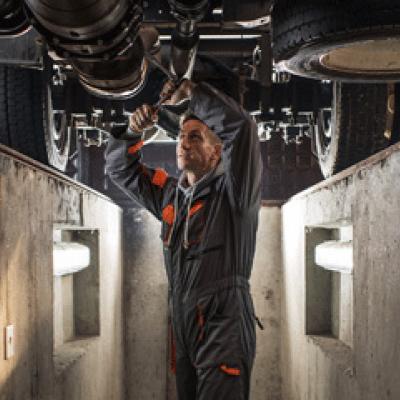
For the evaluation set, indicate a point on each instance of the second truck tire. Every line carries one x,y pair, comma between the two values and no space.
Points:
358,125
28,122
331,39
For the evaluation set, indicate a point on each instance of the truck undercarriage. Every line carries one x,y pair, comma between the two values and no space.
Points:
325,70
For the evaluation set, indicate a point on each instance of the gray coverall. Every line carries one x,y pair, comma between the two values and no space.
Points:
209,235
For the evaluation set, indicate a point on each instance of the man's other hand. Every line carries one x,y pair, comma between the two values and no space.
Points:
142,118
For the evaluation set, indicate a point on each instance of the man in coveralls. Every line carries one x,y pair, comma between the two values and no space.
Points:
209,222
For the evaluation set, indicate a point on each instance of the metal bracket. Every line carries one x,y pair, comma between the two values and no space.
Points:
23,51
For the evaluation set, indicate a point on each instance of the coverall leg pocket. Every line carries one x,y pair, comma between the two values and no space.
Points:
223,382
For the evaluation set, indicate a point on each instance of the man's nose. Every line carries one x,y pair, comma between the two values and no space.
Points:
184,143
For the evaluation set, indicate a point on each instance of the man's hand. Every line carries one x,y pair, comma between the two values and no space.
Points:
143,118
176,95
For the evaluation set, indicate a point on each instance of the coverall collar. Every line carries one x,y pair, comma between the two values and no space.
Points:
201,184
200,188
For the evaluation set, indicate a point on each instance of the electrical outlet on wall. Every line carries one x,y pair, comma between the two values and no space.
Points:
9,342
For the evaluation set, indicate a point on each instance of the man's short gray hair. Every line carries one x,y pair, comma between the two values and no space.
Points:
187,116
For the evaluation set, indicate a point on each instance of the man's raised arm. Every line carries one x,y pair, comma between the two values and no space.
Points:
123,164
241,152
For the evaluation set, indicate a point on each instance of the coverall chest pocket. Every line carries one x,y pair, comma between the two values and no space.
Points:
191,228
196,222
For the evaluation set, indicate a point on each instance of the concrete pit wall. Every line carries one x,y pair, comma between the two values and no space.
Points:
317,366
32,202
266,290
145,308
146,327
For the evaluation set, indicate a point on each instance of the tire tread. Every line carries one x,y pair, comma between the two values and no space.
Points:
360,120
21,112
303,22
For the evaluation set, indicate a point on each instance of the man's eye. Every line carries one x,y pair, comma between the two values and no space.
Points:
195,135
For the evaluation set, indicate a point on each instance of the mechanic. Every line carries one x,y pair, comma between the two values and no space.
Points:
209,222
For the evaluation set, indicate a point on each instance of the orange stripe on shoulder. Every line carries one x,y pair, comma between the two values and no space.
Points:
160,178
136,147
197,206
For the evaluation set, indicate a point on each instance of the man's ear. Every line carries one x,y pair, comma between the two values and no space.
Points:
217,151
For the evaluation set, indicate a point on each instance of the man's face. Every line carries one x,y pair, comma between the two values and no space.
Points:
196,151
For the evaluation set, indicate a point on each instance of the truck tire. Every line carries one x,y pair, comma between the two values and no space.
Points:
356,128
330,39
28,122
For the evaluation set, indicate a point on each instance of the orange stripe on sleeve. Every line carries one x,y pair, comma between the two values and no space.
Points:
160,178
136,147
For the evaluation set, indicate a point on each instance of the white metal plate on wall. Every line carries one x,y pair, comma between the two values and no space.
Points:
335,255
69,257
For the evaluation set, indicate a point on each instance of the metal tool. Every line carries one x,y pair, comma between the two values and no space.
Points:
172,77
167,121
153,60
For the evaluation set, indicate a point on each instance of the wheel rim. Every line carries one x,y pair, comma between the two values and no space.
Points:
325,133
325,121
324,130
370,57
324,140
57,123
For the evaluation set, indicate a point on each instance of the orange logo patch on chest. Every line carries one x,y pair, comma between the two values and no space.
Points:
168,214
160,178
197,207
